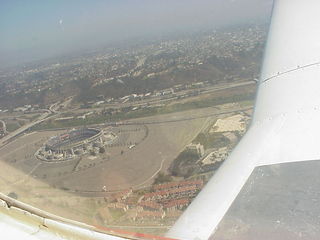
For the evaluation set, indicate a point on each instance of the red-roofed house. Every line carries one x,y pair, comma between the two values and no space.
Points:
166,186
177,204
151,206
175,193
118,205
121,196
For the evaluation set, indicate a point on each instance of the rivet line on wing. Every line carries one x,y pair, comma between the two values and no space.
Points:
289,71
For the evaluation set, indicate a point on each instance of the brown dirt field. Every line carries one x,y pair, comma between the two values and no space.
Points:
158,141
137,166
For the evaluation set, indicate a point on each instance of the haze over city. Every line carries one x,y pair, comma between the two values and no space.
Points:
33,30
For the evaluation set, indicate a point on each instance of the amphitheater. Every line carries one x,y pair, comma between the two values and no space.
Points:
72,144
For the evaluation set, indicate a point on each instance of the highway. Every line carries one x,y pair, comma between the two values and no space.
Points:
157,100
53,112
22,129
139,122
4,126
160,100
43,117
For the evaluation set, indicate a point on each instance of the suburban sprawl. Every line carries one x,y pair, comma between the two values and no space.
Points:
125,137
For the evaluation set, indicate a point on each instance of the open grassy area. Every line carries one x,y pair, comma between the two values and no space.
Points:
246,98
12,126
116,213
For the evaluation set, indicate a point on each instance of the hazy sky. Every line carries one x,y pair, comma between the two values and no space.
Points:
43,28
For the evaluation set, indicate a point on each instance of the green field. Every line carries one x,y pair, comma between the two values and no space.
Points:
12,126
246,99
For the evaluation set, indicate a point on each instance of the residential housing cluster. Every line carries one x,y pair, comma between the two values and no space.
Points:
162,201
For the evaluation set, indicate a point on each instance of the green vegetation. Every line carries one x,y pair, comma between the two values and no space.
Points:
247,103
116,213
210,102
184,165
13,195
98,118
203,103
31,117
141,192
102,150
162,178
12,126
216,140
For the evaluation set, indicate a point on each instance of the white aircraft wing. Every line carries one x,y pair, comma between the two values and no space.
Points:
269,187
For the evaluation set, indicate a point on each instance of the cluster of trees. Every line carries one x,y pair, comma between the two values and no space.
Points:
185,164
101,151
216,140
162,178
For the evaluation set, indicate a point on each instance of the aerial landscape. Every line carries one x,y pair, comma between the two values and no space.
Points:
119,129
128,136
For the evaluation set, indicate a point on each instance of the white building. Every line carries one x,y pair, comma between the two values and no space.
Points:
196,148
